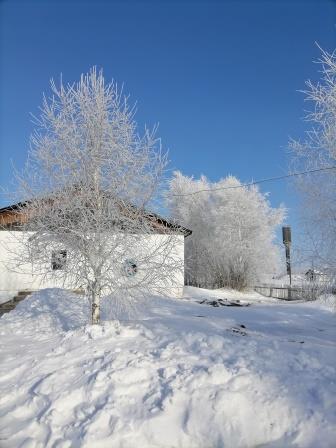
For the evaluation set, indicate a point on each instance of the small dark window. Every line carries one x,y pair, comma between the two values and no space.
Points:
130,268
58,259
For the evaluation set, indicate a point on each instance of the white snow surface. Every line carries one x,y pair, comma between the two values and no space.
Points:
175,373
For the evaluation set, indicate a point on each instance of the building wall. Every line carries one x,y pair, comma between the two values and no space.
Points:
15,278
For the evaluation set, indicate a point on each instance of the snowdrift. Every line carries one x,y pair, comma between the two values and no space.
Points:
172,373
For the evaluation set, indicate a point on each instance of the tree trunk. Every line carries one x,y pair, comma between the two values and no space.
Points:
95,309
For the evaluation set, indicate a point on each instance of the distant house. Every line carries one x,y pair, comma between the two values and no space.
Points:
314,275
11,220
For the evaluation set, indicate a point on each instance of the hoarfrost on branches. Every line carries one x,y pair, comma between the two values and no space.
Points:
318,150
233,231
89,180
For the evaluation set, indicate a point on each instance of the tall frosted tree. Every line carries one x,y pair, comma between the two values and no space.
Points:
232,243
88,183
318,150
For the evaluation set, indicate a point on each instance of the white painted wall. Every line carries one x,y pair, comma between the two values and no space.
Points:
13,279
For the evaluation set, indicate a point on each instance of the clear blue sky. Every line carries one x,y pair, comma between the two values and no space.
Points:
221,77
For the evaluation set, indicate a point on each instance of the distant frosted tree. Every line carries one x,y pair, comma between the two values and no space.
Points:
89,180
233,230
318,150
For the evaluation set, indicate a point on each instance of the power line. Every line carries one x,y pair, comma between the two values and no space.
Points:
250,184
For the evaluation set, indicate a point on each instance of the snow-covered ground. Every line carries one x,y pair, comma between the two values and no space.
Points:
173,373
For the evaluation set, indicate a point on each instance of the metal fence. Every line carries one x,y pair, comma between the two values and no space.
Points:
282,292
289,292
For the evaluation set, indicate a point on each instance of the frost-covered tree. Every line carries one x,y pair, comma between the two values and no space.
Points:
89,180
318,150
233,230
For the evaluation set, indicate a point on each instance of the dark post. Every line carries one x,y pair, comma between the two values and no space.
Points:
287,239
